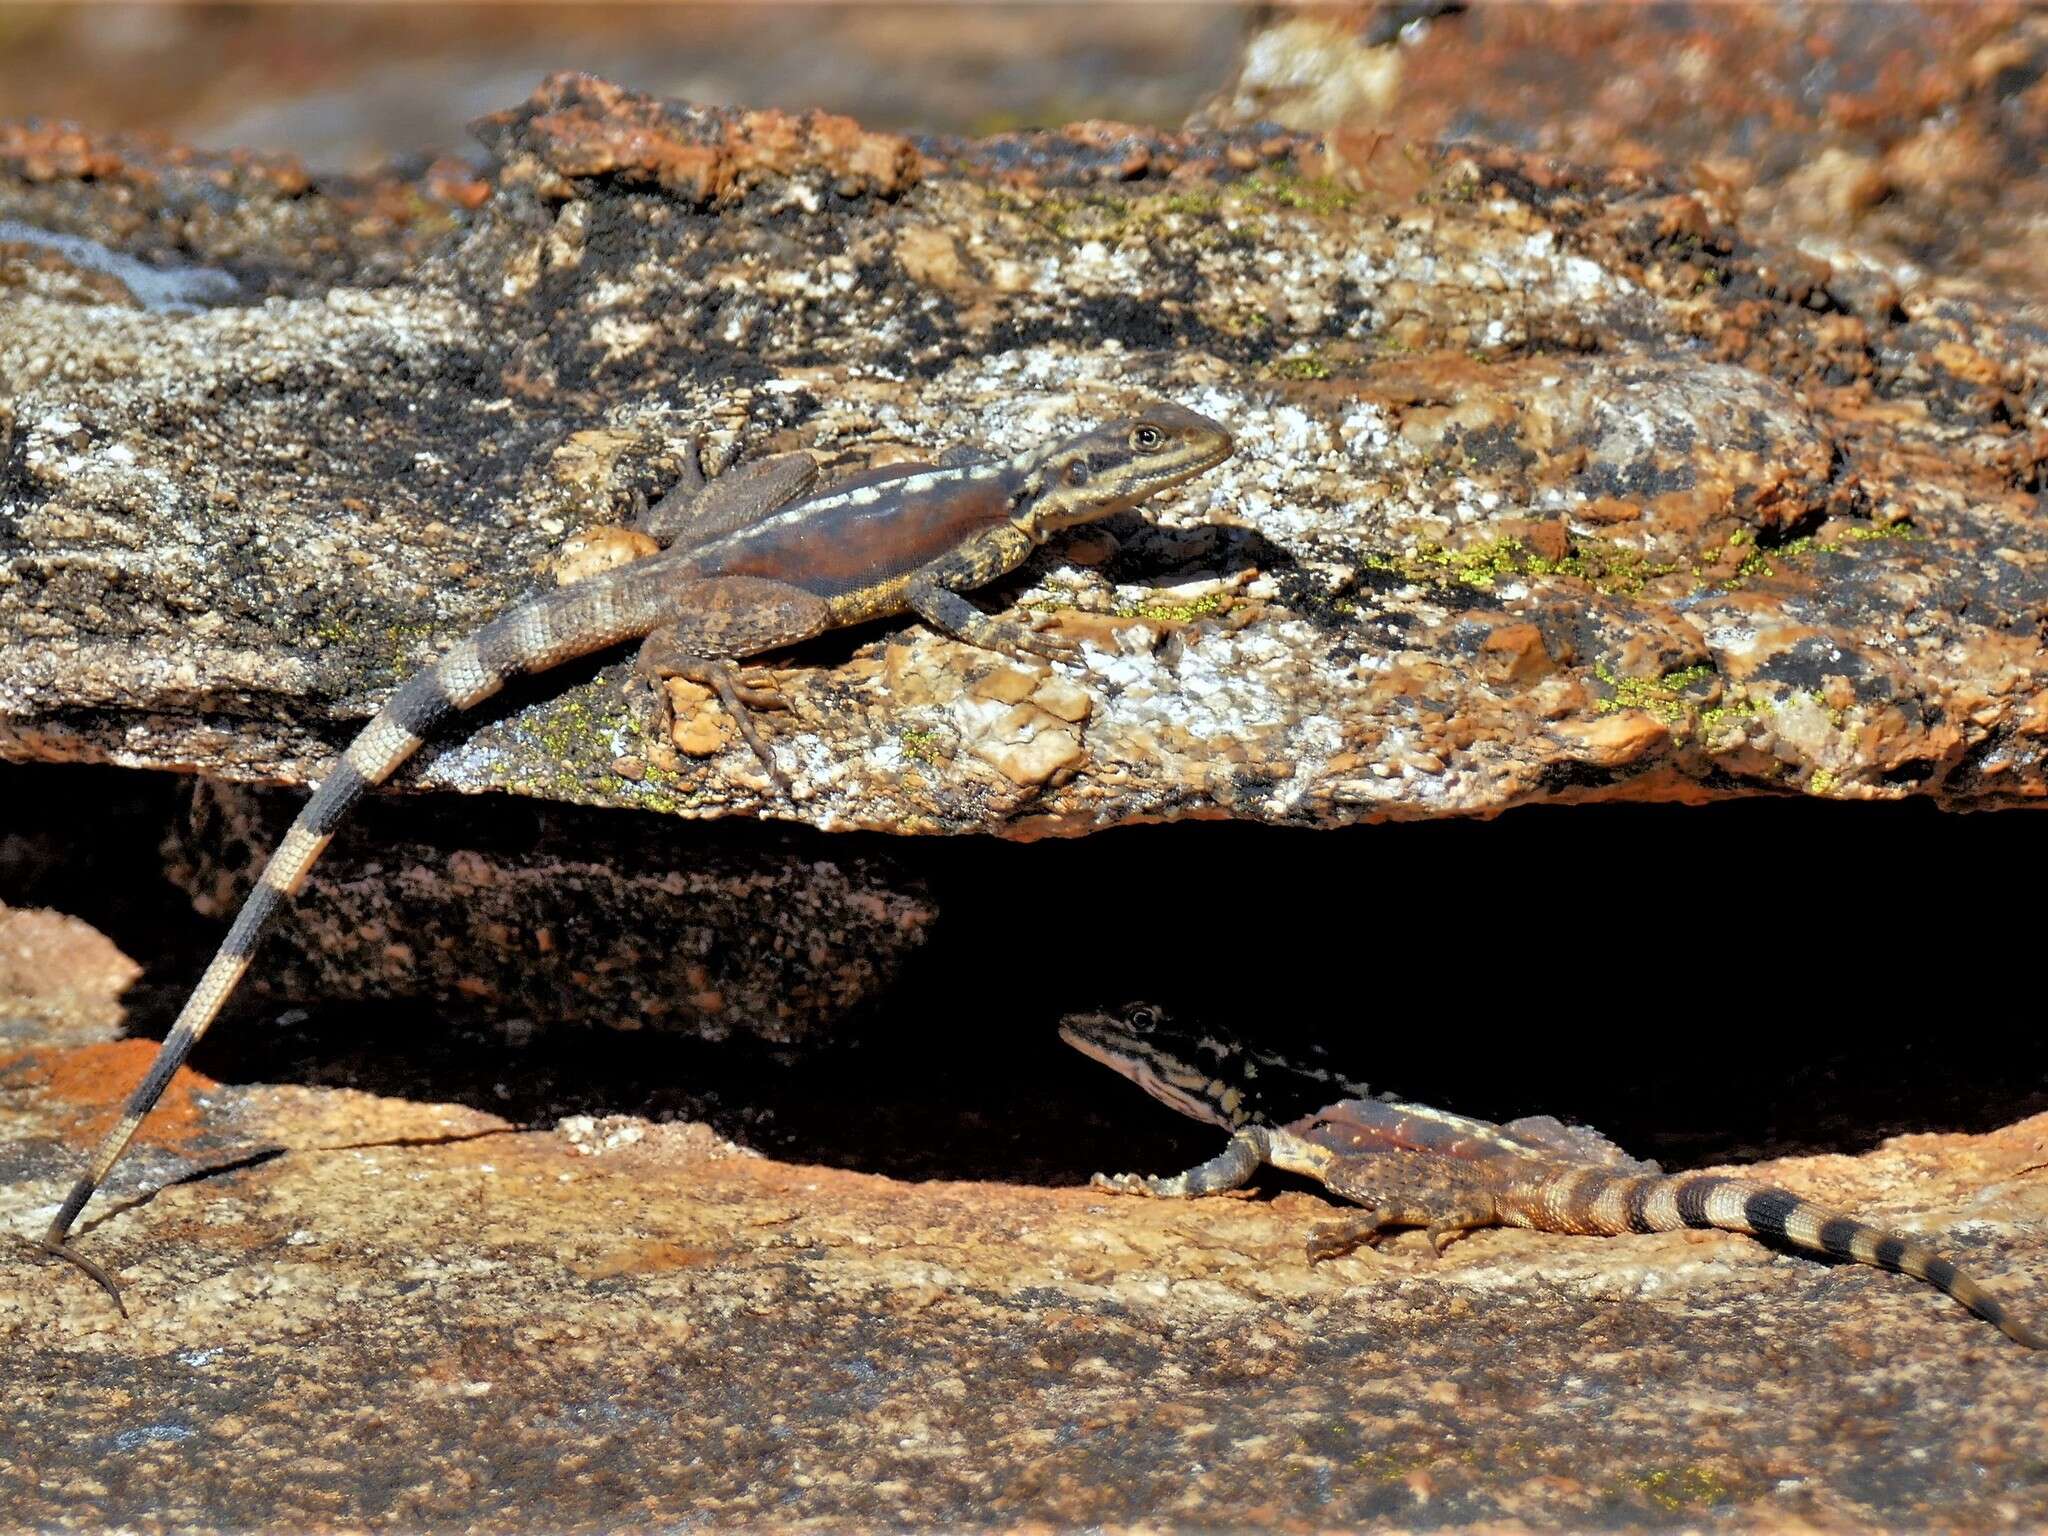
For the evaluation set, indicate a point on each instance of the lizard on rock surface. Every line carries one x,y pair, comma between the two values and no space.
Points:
747,563
1413,1166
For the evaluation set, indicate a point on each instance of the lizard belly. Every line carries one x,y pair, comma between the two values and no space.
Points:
878,600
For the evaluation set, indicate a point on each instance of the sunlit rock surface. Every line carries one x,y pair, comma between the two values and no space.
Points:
1550,484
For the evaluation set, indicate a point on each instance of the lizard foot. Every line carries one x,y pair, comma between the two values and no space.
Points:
660,659
1124,1183
740,701
1445,1232
1040,640
1334,1239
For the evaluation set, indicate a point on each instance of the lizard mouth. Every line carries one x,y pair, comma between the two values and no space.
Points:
1170,475
1143,1072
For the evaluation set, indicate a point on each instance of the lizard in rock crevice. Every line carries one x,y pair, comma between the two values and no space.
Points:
1413,1166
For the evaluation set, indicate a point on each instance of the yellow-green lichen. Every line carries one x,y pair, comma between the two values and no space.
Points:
1171,611
1398,1465
1609,568
1758,564
1662,696
1676,1488
1309,367
1902,531
1203,215
1822,783
1741,707
926,746
1283,189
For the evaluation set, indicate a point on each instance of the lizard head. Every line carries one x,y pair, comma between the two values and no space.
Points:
1222,1081
1117,465
1179,1067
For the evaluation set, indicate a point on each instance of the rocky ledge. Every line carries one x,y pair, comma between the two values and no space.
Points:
423,1314
1552,484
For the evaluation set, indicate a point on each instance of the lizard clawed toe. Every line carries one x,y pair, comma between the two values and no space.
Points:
653,711
1334,1239
1121,1183
756,694
1442,1235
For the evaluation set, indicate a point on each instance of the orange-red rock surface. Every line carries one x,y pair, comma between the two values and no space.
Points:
421,1314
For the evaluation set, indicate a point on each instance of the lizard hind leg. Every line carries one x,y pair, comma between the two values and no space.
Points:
697,510
1370,1228
1447,1196
718,619
1360,1229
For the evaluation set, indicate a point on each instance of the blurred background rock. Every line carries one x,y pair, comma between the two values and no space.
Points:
346,87
1912,133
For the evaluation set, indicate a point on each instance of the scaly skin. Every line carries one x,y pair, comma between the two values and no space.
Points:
750,565
1412,1166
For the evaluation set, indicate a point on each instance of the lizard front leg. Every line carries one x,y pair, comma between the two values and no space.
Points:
1231,1168
934,595
722,618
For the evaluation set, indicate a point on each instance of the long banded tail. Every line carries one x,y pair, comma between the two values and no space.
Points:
1597,1201
386,742
532,636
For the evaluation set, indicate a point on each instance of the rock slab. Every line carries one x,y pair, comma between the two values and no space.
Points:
419,1315
1553,484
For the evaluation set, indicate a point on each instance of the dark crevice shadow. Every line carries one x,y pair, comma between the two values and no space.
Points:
1703,984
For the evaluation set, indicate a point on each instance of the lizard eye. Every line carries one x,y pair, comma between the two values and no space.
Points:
1146,439
1143,1016
1075,473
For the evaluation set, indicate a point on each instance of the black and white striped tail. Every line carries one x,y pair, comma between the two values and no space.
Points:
388,740
1591,1200
457,681
532,636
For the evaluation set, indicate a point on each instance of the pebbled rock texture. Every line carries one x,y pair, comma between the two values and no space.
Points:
422,1315
1553,484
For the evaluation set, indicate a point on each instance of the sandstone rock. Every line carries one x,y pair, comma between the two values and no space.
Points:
1555,484
59,978
576,922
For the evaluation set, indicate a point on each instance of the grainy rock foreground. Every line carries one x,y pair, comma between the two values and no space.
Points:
421,1316
1552,484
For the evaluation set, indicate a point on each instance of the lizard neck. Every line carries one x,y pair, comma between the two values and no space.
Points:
1024,477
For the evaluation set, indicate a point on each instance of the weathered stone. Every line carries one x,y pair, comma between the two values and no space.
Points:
579,922
59,978
422,1315
226,534
1902,150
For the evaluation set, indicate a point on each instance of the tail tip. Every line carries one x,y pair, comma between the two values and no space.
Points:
59,1249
